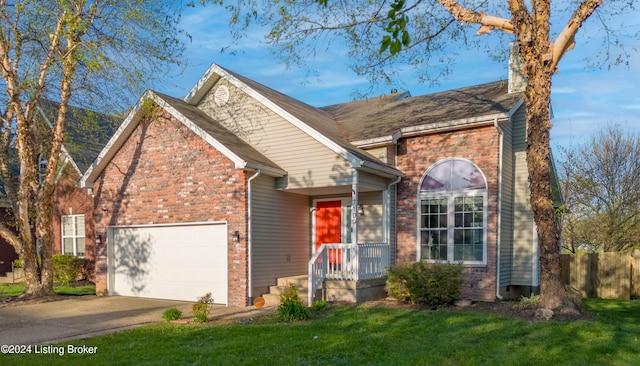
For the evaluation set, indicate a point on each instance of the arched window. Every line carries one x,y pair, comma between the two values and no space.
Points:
452,207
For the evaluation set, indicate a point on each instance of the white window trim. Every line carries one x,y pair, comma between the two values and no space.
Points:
451,216
74,236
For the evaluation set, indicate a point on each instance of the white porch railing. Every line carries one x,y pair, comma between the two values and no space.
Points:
347,262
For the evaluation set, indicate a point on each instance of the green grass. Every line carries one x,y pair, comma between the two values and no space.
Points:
16,289
373,336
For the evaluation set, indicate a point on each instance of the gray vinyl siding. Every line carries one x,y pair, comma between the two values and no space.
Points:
281,238
308,163
371,181
381,153
506,206
370,223
522,256
386,154
393,203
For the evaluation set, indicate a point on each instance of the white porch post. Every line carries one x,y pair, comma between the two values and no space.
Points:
354,223
354,208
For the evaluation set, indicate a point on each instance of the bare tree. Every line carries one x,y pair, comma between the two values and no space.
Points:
602,178
91,52
381,35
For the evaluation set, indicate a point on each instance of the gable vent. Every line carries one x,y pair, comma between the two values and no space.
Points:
221,95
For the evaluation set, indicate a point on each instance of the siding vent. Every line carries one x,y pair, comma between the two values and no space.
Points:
221,95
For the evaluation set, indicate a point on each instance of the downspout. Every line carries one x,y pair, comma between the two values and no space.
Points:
395,200
249,238
499,234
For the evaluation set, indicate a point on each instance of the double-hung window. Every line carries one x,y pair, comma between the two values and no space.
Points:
453,213
73,235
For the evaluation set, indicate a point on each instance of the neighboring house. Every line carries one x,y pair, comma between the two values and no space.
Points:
73,230
7,252
237,185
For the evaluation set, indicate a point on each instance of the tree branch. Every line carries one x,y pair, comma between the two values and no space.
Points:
486,22
565,40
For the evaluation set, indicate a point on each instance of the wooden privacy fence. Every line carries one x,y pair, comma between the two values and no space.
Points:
603,275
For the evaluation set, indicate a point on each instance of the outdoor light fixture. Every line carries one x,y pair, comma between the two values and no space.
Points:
98,239
360,210
235,236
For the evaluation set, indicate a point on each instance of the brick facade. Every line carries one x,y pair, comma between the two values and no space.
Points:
72,200
415,156
165,174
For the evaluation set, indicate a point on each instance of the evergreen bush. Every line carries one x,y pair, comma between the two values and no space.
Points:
425,283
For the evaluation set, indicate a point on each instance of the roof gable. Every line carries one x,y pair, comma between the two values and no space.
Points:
316,123
240,153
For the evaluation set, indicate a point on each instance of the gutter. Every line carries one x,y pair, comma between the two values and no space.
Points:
249,238
498,235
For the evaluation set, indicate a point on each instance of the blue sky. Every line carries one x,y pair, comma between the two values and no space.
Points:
583,100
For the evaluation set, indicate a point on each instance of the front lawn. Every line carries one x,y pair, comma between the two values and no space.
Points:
16,289
373,336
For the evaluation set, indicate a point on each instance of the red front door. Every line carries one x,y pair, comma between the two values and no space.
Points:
329,226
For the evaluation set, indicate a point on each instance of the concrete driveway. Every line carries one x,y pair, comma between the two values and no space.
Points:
88,316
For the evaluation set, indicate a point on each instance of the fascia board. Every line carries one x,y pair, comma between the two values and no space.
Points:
267,170
374,142
515,107
208,78
380,170
452,125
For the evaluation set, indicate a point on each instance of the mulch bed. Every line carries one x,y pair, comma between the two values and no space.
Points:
509,309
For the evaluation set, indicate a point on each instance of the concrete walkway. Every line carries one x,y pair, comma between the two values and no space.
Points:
89,316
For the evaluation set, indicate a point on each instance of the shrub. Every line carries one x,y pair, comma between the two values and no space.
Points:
529,302
201,308
67,268
320,305
425,283
172,314
291,307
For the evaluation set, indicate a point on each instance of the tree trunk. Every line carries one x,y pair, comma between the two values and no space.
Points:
537,98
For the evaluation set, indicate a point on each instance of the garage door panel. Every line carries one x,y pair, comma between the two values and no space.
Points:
169,262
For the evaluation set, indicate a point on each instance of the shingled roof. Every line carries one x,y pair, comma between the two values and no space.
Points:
218,132
86,132
383,116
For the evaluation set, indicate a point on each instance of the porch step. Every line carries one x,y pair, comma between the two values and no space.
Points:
13,277
300,282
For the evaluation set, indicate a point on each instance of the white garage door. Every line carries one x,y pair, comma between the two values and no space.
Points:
181,262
